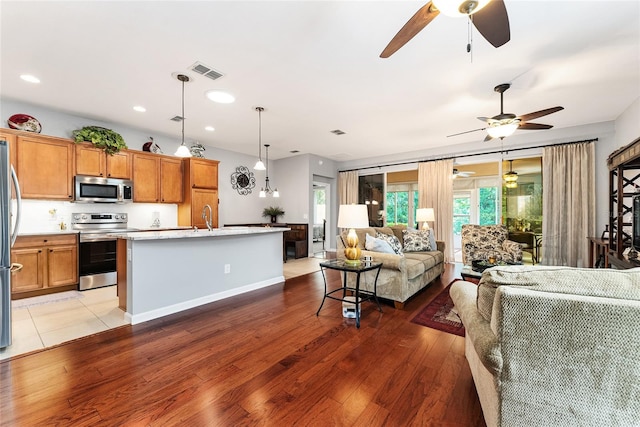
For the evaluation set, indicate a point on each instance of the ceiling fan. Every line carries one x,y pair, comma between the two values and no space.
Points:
488,16
504,124
462,174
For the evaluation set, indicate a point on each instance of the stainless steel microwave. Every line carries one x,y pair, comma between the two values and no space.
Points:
93,189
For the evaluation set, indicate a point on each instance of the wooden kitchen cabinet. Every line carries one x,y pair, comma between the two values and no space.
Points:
49,261
45,167
95,162
200,189
157,178
170,180
146,185
203,173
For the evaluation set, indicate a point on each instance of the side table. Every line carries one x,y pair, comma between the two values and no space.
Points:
470,275
360,295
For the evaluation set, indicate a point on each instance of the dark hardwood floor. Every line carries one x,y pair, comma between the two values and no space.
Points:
261,358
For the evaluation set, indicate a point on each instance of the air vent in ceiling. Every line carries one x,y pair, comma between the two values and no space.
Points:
294,151
177,119
206,71
337,132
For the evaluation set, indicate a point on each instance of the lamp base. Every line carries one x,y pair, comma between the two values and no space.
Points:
353,261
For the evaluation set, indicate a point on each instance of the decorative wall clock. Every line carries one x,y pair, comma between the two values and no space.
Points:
243,180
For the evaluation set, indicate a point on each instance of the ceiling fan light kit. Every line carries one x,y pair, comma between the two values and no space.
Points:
511,177
457,8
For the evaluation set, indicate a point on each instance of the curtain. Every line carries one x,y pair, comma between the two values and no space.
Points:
435,190
568,207
348,187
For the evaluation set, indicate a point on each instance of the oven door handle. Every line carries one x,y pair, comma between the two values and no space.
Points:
88,239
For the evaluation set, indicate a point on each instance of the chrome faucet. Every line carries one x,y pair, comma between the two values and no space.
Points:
209,218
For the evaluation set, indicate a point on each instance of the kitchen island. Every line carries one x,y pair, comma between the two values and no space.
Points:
164,272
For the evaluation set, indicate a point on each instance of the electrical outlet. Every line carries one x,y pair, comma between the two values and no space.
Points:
227,268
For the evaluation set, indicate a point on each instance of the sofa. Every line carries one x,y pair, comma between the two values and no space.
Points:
401,276
553,346
479,242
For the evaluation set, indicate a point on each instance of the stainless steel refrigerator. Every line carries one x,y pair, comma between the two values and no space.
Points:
8,233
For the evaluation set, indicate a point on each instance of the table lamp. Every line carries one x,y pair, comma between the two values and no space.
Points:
424,215
352,217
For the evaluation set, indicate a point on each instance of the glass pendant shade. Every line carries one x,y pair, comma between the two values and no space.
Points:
183,150
511,177
259,165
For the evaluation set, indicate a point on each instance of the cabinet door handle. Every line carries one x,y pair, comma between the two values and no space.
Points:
40,251
45,240
50,250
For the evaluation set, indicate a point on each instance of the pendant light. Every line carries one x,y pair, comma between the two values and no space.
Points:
267,189
511,177
183,150
259,165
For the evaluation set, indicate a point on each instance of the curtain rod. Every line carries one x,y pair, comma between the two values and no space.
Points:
469,155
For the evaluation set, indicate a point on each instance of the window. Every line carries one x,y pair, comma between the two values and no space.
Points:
402,202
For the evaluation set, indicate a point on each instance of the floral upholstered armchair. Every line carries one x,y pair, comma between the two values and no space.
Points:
479,242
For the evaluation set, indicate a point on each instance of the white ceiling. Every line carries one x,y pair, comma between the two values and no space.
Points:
314,66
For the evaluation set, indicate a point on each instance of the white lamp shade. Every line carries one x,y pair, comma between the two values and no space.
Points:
353,216
425,214
183,151
259,166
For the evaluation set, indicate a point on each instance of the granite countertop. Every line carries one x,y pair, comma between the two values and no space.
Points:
192,234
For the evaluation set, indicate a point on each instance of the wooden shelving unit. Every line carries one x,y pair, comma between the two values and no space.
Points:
624,183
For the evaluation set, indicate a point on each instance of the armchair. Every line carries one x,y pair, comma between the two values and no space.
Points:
479,242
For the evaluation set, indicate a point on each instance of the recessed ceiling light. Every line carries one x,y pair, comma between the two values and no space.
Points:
209,128
29,78
139,108
220,96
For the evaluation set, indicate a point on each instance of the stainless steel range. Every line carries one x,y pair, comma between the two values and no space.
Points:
98,250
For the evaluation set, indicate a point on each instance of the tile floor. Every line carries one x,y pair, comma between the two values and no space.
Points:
45,321
41,322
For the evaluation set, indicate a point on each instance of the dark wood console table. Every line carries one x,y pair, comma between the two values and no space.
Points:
297,238
622,262
598,248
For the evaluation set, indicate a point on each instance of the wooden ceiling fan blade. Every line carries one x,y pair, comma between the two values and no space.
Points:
492,22
535,115
418,21
468,131
534,126
484,119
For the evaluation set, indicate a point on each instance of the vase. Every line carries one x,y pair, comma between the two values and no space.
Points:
274,219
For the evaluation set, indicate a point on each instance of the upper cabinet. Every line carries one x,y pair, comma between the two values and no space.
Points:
95,162
203,173
45,167
200,189
156,178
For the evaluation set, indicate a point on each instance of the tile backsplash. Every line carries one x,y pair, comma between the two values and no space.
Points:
47,215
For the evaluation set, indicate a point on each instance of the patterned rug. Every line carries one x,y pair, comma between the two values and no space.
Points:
46,299
440,314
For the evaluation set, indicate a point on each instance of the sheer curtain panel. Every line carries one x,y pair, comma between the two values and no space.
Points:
435,190
568,207
348,187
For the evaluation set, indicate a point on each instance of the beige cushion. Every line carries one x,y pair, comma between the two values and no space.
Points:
606,283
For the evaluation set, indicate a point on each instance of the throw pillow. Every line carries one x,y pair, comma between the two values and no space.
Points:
392,240
378,245
416,240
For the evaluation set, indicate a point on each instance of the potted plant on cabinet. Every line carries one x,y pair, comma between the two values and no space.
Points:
274,212
111,142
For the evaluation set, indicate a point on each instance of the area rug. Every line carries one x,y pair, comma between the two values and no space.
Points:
46,299
440,314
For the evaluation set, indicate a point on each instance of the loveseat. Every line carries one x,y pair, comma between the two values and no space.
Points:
401,276
554,346
479,242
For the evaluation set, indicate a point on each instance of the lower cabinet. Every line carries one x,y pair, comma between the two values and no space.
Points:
49,261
